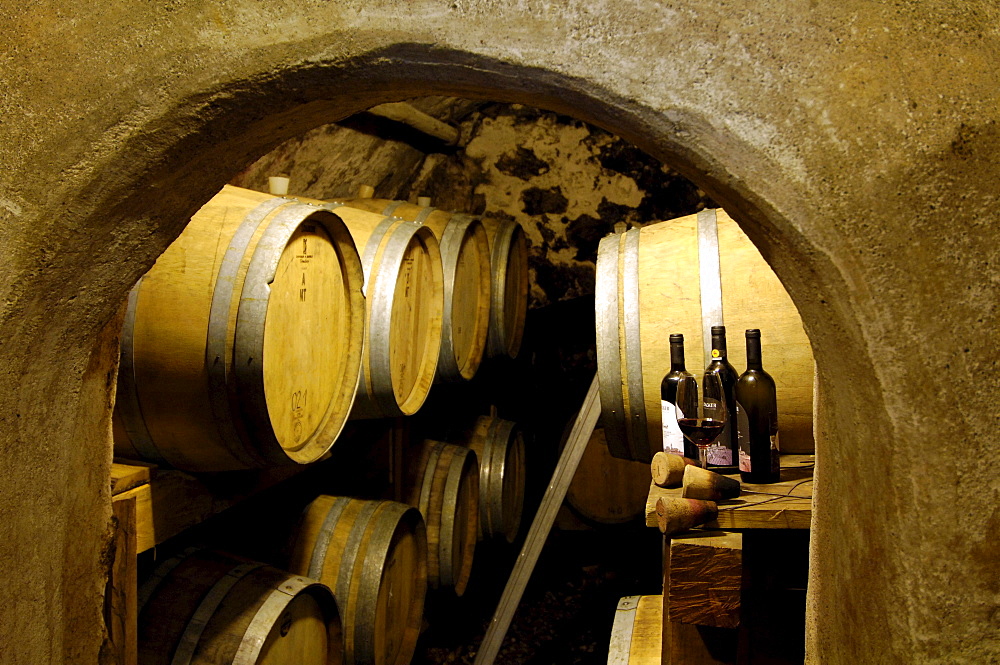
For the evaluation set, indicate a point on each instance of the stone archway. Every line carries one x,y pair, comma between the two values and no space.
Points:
861,166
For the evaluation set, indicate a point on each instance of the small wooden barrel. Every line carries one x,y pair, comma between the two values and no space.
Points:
640,301
405,305
509,265
444,485
373,554
465,259
607,490
499,446
213,608
242,345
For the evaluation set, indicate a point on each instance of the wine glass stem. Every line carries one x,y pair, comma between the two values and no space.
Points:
703,456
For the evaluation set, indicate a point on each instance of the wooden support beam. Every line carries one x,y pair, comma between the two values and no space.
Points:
579,436
172,501
418,120
705,575
690,644
120,609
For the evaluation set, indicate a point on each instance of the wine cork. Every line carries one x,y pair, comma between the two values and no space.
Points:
701,483
366,192
676,515
424,201
668,469
277,185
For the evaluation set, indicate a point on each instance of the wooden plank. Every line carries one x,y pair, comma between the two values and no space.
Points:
120,607
128,474
705,578
759,511
579,436
690,644
173,500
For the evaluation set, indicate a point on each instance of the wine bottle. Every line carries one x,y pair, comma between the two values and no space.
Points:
673,439
757,418
725,451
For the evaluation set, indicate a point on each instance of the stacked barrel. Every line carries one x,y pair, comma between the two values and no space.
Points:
258,334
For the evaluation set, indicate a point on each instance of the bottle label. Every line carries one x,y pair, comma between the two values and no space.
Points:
743,437
744,461
673,438
720,454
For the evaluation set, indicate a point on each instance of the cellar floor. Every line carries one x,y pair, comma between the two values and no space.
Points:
568,607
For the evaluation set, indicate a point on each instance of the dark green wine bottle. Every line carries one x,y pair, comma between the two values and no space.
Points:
674,440
757,418
726,449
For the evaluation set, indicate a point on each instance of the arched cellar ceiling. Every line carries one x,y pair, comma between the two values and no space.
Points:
854,142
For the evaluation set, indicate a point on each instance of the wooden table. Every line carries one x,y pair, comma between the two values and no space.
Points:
720,580
759,511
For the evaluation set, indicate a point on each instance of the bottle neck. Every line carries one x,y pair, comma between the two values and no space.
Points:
677,357
719,344
753,353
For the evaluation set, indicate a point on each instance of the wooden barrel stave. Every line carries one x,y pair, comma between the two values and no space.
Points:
633,349
210,607
208,378
373,554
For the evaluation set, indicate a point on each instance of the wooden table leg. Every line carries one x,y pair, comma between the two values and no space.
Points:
120,608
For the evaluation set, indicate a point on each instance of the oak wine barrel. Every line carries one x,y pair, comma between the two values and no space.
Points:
405,305
444,486
641,299
465,260
373,554
605,489
499,447
509,265
212,608
242,344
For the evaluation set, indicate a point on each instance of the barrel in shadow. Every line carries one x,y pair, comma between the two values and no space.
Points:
607,490
242,345
443,484
499,447
373,554
216,609
509,274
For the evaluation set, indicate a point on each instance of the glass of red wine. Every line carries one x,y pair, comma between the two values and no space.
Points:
703,424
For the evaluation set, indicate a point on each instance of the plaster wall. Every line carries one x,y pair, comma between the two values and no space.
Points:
855,142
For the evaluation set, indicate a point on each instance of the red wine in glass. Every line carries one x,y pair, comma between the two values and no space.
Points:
701,431
706,423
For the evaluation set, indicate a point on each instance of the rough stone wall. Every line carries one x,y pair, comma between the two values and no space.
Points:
566,182
333,160
854,141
